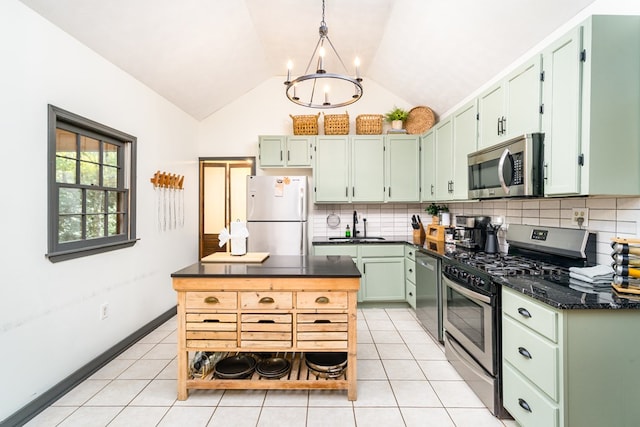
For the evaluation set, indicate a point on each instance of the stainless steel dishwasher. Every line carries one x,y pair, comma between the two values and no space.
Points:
429,294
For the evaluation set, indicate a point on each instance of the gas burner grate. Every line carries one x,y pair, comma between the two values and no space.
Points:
509,265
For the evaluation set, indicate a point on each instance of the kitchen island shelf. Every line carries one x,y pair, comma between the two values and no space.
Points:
287,305
298,377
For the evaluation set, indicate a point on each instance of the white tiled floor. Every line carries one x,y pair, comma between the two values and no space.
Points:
403,380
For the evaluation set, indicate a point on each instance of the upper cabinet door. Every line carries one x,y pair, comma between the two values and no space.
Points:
444,159
367,168
299,149
402,168
271,151
561,118
331,169
465,135
523,97
428,167
492,114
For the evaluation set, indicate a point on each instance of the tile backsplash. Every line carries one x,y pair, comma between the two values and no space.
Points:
608,217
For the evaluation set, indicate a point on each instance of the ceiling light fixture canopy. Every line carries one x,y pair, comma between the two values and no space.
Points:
305,89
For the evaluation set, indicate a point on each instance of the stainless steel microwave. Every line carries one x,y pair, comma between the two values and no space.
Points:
514,168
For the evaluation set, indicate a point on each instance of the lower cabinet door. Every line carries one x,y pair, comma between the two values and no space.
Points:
525,403
383,279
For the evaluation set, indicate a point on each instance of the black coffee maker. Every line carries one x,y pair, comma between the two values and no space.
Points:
472,231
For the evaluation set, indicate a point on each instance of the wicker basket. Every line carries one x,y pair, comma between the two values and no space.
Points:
305,125
369,124
419,120
336,124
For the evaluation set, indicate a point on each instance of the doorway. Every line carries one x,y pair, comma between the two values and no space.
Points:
223,189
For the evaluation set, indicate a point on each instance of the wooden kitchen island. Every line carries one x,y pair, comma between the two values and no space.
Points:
286,305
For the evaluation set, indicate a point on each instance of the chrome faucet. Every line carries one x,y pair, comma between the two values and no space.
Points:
355,221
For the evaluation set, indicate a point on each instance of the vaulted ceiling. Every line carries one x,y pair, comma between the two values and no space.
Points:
203,54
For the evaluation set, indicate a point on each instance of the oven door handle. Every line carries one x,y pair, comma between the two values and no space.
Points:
503,158
466,292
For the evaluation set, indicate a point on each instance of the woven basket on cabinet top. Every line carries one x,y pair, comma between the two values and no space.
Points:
369,124
305,125
336,124
419,120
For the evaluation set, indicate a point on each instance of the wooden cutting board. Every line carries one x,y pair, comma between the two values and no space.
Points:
227,257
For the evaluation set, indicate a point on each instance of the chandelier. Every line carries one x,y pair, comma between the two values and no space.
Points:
306,89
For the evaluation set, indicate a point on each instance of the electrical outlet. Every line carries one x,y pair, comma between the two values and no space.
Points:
580,217
104,311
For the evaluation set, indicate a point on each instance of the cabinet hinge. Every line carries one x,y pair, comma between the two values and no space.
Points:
541,108
583,55
542,76
581,159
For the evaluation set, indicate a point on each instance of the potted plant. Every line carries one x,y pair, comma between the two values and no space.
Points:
396,116
435,211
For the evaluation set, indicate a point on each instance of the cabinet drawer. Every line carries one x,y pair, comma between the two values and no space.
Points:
386,250
212,300
410,252
266,330
410,270
543,320
321,300
348,250
266,300
211,330
532,355
411,294
322,331
519,394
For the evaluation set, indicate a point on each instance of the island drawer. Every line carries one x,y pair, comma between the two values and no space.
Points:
212,300
266,300
211,330
266,330
322,331
321,300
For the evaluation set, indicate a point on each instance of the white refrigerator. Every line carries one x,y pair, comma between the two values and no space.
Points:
277,214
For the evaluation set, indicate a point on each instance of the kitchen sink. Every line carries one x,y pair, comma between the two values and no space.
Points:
356,239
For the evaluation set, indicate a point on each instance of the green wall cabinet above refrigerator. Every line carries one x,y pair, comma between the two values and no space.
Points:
280,151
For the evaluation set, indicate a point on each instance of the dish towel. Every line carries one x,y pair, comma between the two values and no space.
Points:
595,274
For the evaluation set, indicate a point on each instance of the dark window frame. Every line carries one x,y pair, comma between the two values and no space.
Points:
127,145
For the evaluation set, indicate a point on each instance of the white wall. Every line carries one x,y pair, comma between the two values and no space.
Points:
49,323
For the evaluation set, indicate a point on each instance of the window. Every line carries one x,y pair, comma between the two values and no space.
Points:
91,187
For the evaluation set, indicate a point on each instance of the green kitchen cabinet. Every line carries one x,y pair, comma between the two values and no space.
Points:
331,169
591,109
428,167
511,107
382,267
279,151
383,277
455,138
349,169
465,135
410,275
367,171
444,158
573,367
402,168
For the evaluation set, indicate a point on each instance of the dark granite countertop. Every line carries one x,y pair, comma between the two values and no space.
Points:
276,266
361,241
563,296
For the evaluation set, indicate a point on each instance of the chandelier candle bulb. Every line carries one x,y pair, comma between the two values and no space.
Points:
326,95
357,63
289,67
321,60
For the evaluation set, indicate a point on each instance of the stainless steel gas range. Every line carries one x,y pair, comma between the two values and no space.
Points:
471,298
